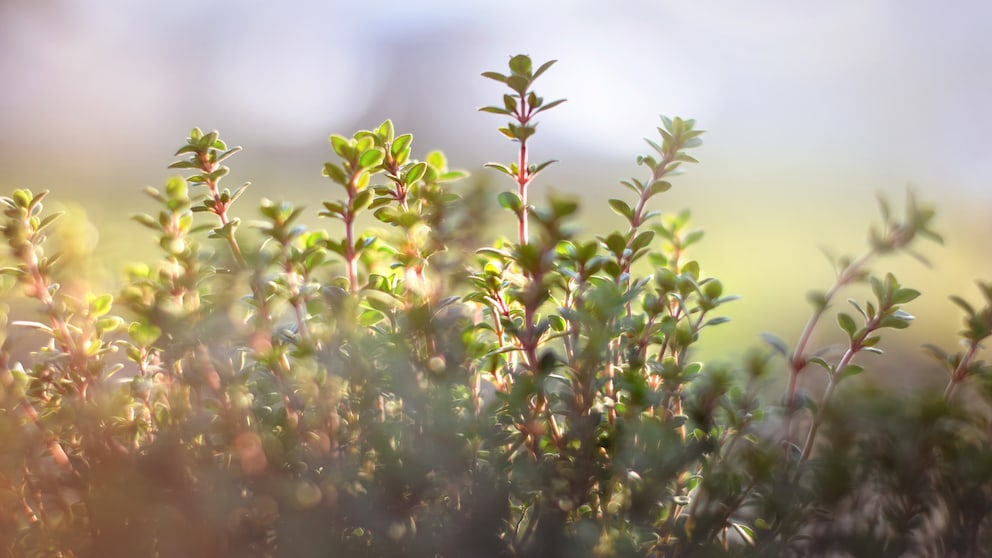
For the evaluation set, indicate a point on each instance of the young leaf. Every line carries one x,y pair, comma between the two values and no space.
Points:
776,343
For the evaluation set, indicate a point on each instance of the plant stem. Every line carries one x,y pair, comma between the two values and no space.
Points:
835,377
350,256
797,362
523,179
960,371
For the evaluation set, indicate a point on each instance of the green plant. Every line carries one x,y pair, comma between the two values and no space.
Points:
407,389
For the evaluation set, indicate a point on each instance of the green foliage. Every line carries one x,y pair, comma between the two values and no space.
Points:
408,390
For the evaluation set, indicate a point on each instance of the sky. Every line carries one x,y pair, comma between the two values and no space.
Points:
811,108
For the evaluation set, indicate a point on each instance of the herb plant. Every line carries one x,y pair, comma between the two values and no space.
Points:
397,386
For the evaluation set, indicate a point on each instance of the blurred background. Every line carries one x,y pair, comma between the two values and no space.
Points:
811,110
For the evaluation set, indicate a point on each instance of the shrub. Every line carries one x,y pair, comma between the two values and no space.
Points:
403,388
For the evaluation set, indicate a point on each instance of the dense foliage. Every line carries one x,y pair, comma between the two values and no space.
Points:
401,387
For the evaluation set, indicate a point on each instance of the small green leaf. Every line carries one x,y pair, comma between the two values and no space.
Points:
147,220
361,200
109,324
511,201
543,68
621,208
821,363
518,83
415,173
400,144
534,169
100,305
858,307
776,343
642,240
495,110
850,370
659,186
895,322
550,105
902,296
501,168
370,158
341,146
521,64
692,238
818,299
335,173
494,76
847,323
144,334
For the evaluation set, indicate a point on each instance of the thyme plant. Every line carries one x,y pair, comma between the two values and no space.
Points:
395,386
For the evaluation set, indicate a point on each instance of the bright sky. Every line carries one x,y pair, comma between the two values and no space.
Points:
901,84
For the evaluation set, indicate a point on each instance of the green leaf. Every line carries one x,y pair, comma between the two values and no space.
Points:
100,305
495,110
415,173
184,165
616,243
621,208
147,220
400,144
370,158
902,296
543,68
510,103
227,154
501,168
144,334
871,341
850,370
518,83
494,76
341,146
109,324
878,287
642,240
521,64
437,160
692,238
895,322
776,343
511,201
335,173
385,130
361,200
963,304
22,198
858,307
534,169
818,299
550,105
847,323
821,363
659,186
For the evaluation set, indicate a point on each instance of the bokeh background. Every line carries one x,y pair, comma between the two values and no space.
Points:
811,109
